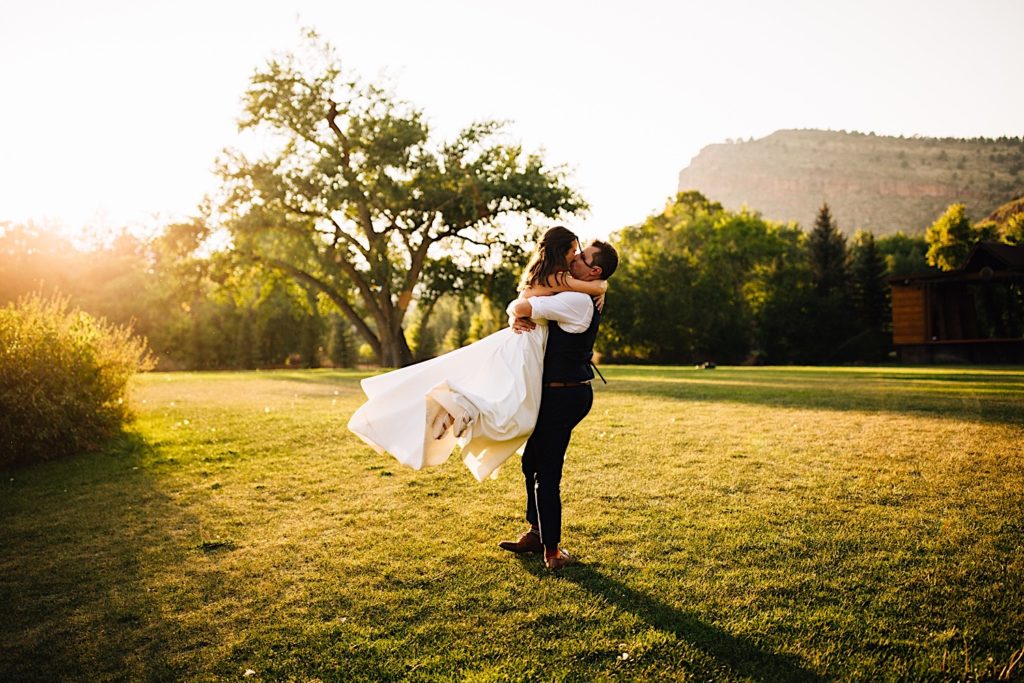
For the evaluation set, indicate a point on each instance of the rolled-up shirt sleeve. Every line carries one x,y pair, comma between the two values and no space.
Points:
572,310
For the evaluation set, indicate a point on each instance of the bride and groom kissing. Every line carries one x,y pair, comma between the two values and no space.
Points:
528,383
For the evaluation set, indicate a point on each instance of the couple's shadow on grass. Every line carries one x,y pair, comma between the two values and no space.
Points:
739,654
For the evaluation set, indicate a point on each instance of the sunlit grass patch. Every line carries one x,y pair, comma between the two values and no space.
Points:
737,523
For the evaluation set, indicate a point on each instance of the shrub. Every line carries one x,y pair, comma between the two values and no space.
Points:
63,379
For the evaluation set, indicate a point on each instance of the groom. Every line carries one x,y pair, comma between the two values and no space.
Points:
566,398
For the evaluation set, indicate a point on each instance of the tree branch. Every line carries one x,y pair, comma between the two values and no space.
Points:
334,295
418,258
339,232
454,232
346,170
348,268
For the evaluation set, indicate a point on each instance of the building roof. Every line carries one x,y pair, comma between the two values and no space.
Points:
994,254
987,260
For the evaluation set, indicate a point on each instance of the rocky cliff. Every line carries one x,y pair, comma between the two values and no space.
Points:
877,183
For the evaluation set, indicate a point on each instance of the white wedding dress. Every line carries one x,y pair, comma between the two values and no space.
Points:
495,381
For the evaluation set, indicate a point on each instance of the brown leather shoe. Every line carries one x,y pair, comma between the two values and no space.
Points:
527,543
558,560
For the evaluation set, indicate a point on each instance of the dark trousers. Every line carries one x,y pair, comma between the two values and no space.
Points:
561,409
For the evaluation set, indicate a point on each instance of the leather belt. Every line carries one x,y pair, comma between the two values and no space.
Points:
556,385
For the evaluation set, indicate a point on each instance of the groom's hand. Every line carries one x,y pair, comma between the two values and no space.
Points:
520,325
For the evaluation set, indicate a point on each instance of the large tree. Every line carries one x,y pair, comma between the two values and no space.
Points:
358,201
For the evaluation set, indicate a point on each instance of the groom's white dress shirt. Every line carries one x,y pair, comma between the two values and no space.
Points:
572,310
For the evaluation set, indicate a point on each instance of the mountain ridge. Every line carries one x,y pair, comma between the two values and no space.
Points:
873,182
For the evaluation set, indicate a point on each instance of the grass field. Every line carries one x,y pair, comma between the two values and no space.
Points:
763,524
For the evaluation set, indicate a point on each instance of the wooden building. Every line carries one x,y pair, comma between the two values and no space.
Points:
975,314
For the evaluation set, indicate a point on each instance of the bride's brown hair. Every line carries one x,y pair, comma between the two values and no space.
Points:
549,258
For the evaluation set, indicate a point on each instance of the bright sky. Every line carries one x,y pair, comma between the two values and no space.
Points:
113,111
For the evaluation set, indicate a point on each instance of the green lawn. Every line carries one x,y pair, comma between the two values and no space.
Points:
736,524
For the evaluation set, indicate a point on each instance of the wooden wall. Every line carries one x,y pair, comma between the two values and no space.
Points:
909,315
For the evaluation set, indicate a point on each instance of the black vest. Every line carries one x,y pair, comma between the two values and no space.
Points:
567,357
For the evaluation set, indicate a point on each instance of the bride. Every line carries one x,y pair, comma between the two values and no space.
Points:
483,397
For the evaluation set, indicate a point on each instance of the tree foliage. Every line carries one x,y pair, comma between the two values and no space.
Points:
869,296
358,202
1013,230
197,312
950,238
697,282
827,251
904,254
867,288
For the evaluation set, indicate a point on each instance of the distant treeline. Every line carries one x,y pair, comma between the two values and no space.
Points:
701,283
194,313
213,312
696,283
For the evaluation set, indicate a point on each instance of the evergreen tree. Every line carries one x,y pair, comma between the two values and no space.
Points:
309,342
867,288
869,295
835,330
827,247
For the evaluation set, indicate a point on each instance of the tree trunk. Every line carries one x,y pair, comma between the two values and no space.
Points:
394,350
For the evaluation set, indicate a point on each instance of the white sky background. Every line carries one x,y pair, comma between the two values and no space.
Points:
113,111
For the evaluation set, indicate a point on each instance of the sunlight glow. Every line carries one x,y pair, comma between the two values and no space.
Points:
115,111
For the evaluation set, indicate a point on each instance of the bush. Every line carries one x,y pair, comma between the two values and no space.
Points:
63,379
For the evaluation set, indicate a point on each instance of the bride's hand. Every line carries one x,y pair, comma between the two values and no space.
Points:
520,325
599,302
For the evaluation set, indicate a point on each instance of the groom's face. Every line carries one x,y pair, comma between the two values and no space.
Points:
583,267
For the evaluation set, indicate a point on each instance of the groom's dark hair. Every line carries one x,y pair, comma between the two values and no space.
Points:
607,258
